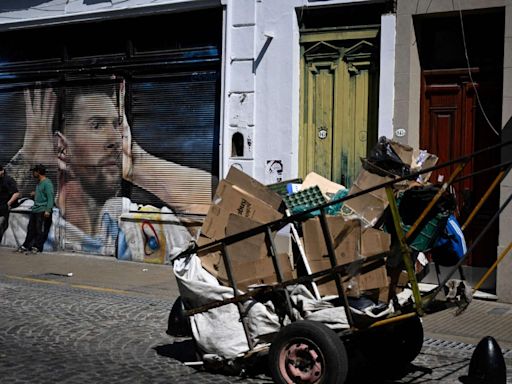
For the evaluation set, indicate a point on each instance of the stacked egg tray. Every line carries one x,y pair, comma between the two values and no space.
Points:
304,200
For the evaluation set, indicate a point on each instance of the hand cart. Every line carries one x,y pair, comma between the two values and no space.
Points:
310,352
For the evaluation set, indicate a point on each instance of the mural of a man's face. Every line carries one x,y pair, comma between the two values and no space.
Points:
94,139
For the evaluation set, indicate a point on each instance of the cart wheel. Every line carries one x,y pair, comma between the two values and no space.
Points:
308,352
391,348
178,324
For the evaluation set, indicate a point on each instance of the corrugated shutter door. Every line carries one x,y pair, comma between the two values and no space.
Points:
92,148
25,111
27,122
175,118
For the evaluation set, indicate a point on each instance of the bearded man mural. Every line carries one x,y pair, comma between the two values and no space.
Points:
91,151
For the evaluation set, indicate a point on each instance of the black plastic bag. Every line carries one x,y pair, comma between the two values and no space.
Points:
384,161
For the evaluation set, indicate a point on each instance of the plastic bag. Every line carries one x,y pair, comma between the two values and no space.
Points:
384,161
450,246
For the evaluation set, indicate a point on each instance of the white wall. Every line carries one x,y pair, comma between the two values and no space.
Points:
387,75
263,104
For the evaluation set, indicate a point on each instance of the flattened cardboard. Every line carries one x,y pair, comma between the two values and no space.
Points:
344,235
260,271
328,187
356,285
251,249
374,242
349,243
253,187
369,206
329,288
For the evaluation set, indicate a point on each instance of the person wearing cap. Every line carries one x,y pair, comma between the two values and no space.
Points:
8,198
41,212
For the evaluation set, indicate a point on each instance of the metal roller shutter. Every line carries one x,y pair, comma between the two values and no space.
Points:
175,118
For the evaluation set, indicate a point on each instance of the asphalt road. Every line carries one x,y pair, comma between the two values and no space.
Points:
51,332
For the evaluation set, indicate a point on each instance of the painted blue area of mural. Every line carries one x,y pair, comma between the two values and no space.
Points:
123,251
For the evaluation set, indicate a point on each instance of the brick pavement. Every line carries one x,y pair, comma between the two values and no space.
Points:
107,323
54,333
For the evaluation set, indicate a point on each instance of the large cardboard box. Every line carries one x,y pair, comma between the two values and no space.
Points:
253,187
250,261
241,203
345,235
350,243
231,199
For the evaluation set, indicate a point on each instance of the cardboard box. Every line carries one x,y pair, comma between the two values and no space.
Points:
231,199
410,156
356,285
369,206
345,235
242,203
328,187
253,187
247,273
350,243
374,242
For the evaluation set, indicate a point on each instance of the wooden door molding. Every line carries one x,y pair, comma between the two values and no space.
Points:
337,85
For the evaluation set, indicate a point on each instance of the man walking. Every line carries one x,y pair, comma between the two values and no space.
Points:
41,214
8,198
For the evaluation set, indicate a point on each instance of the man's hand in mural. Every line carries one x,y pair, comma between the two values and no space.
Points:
38,144
143,169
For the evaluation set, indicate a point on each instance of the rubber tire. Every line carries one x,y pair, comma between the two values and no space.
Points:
335,367
391,348
178,324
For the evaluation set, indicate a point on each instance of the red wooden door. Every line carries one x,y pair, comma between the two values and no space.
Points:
447,122
447,128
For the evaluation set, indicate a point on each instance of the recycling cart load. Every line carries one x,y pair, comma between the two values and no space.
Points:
348,280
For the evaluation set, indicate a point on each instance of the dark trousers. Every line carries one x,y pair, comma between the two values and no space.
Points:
37,231
4,219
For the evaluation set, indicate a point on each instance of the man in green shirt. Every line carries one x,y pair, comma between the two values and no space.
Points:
41,215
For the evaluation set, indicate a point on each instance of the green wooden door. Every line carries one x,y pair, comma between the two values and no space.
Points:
339,93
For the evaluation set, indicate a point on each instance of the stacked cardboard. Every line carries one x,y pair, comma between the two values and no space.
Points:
370,207
351,242
242,203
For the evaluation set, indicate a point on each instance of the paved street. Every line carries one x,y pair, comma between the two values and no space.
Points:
106,323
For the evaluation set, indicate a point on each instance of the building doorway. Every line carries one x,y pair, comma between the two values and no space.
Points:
461,105
339,89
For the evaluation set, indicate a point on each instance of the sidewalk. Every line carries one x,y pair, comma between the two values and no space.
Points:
482,318
90,271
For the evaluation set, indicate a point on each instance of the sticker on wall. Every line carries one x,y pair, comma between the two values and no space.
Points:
400,132
273,171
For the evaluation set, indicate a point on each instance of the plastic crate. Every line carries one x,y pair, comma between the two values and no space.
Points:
303,200
427,234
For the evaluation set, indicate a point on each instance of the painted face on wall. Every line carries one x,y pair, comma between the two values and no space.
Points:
94,138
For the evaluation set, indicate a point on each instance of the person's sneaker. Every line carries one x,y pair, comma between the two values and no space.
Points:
21,249
34,250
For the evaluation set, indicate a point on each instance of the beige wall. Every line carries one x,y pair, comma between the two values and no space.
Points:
407,97
505,268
